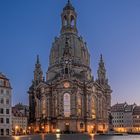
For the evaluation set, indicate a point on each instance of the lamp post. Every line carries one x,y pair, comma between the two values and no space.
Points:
16,130
42,129
29,130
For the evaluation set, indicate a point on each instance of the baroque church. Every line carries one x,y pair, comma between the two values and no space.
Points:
69,98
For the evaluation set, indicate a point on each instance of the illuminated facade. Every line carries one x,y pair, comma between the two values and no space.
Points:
126,118
5,106
69,98
19,122
136,120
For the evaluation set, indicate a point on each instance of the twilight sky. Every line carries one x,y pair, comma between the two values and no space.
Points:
110,27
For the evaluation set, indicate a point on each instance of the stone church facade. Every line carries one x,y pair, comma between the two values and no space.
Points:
69,99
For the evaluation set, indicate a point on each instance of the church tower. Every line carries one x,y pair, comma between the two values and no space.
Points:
38,74
102,80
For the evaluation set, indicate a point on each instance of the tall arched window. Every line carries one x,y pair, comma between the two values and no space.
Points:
72,21
67,105
93,109
44,106
65,21
79,103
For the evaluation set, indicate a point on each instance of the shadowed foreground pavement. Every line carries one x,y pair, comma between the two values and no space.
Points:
72,137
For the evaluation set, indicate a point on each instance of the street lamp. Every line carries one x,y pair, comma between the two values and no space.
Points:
43,129
16,130
29,130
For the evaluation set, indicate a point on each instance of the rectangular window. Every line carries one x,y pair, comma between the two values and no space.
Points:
1,120
7,111
1,132
2,101
7,120
5,83
1,111
2,91
7,92
0,82
7,131
7,101
81,125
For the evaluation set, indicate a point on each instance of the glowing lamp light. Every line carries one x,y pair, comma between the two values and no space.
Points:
16,127
57,130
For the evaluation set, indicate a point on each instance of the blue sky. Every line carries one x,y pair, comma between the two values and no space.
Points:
110,27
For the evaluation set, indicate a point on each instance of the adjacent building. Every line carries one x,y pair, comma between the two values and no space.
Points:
24,109
5,106
136,120
69,98
117,112
19,122
126,118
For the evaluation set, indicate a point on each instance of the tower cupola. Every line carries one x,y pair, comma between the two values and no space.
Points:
69,17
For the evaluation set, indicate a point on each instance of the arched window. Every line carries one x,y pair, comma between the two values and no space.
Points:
65,21
93,109
72,21
43,106
67,105
79,103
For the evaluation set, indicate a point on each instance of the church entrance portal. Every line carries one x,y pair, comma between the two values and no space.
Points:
67,127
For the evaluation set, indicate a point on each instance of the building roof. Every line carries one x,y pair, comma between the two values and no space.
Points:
136,110
129,108
118,107
17,113
4,81
2,76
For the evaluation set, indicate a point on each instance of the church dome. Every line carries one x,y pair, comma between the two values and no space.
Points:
80,54
79,51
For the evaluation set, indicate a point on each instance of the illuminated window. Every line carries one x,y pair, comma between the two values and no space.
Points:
67,105
43,105
79,103
93,111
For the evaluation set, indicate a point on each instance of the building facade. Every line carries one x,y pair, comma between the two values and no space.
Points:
69,98
118,113
5,106
136,120
125,118
19,122
24,109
